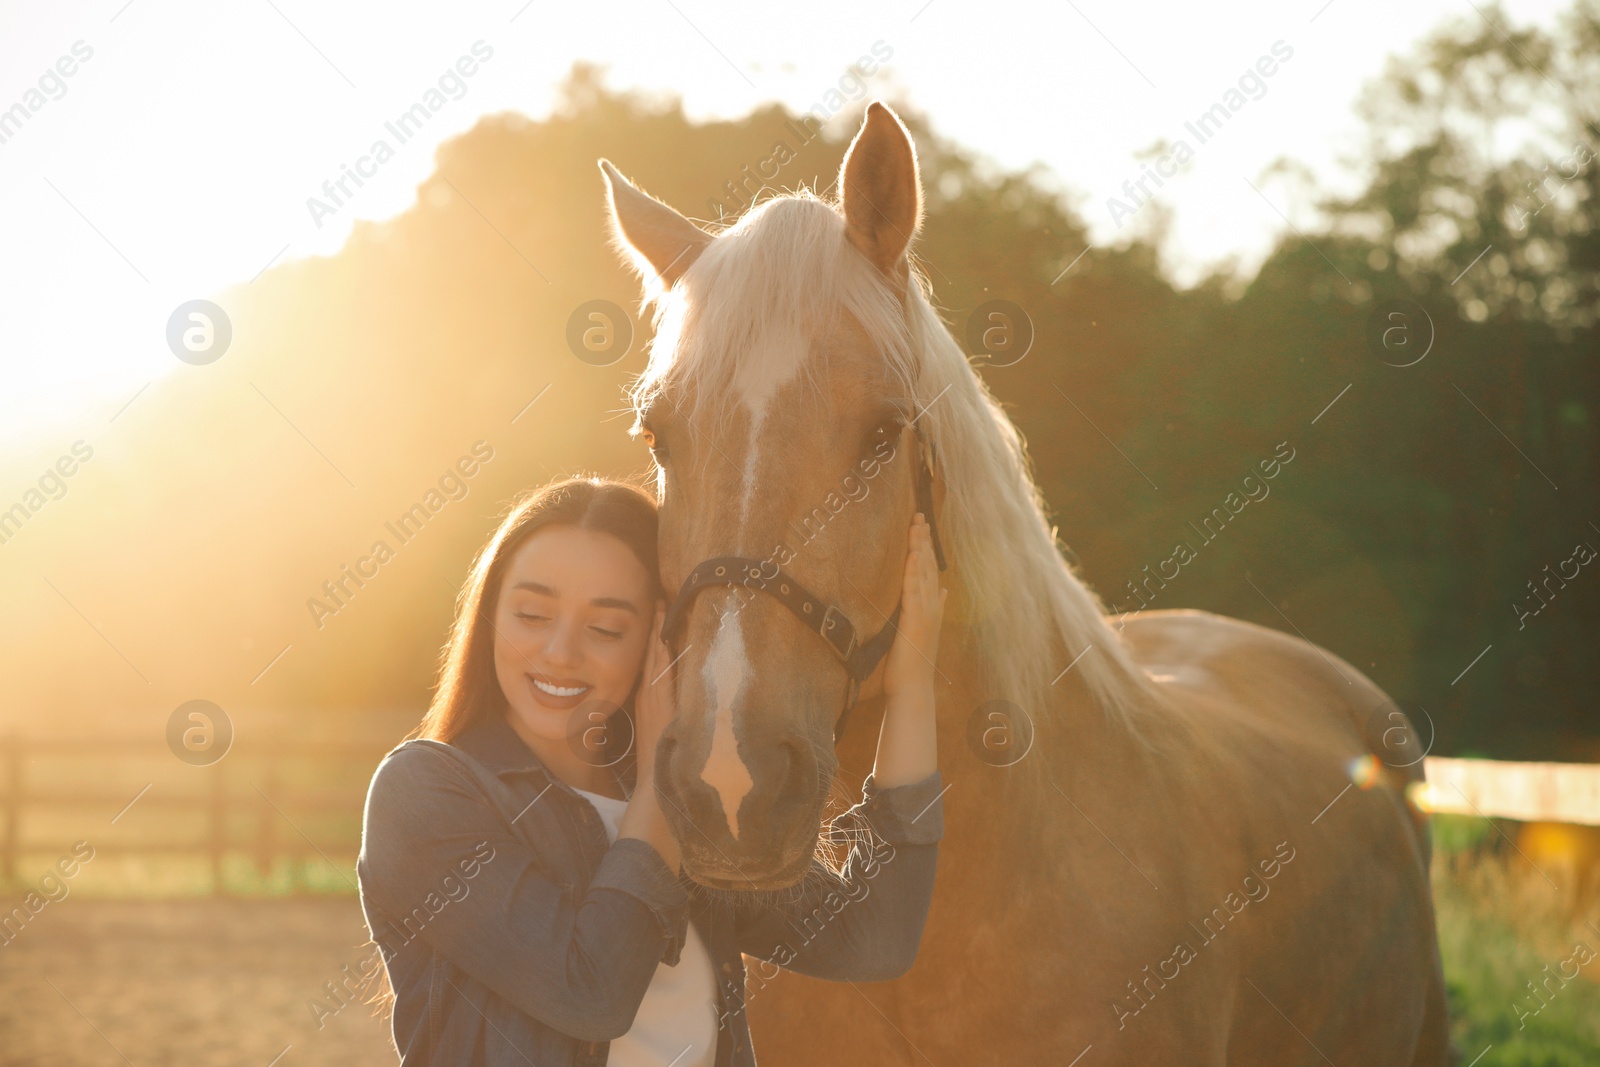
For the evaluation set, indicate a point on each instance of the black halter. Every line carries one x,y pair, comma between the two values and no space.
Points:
827,621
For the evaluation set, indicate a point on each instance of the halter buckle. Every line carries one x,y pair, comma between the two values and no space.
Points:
834,624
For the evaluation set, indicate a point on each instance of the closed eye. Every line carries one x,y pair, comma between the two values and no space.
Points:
609,635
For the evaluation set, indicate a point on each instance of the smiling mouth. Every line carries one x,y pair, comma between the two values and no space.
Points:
559,690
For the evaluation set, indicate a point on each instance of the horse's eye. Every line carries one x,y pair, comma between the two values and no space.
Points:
886,431
657,450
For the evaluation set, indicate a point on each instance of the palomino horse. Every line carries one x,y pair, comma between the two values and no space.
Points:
1166,862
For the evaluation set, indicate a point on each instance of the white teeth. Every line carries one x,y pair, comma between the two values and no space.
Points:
560,691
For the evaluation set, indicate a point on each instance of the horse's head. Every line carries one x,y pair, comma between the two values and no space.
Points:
778,402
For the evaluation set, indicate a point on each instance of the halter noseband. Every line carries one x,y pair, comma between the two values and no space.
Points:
827,621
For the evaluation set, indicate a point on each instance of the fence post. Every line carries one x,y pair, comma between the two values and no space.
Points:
13,818
219,827
265,817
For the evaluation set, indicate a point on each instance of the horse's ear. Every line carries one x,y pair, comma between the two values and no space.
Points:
881,192
660,242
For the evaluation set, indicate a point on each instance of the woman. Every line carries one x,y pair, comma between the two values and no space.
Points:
520,879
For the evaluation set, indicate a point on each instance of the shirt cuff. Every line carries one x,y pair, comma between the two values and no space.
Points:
634,867
905,814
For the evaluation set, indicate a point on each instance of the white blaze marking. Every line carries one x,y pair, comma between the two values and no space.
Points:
724,674
761,373
758,378
752,453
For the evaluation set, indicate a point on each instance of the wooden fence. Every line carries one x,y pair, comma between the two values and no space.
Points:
269,801
1528,792
263,802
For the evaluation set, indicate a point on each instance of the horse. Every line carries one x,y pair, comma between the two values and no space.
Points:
1155,849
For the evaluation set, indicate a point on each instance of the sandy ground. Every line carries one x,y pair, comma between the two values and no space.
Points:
210,982
216,982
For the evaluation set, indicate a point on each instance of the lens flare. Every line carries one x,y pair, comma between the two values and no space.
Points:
1363,771
1422,795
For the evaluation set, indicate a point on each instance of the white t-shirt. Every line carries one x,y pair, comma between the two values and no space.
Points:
677,1021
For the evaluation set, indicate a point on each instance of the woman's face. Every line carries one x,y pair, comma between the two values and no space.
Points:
575,610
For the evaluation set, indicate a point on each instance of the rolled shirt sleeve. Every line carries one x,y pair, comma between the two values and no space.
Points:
865,922
634,867
905,814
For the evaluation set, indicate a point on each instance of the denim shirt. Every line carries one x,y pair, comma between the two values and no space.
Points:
515,933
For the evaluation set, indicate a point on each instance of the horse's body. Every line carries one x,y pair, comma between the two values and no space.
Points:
1040,920
1179,870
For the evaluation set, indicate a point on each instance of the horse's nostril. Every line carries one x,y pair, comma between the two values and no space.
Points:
799,768
797,777
665,747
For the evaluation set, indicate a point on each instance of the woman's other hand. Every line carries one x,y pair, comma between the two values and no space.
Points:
909,668
906,741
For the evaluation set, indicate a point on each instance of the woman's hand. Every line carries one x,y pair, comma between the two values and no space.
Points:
656,703
653,708
909,668
906,741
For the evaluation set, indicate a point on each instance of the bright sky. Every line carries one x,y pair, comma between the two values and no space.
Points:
178,157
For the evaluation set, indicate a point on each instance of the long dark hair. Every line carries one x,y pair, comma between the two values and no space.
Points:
468,687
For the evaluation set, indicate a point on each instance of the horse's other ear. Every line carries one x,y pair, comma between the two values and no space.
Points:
881,192
660,242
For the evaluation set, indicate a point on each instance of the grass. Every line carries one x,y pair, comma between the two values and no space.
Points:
1502,922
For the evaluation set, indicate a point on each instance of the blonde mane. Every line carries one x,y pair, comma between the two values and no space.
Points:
786,266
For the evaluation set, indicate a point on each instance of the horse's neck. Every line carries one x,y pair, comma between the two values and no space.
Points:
1074,745
1071,735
